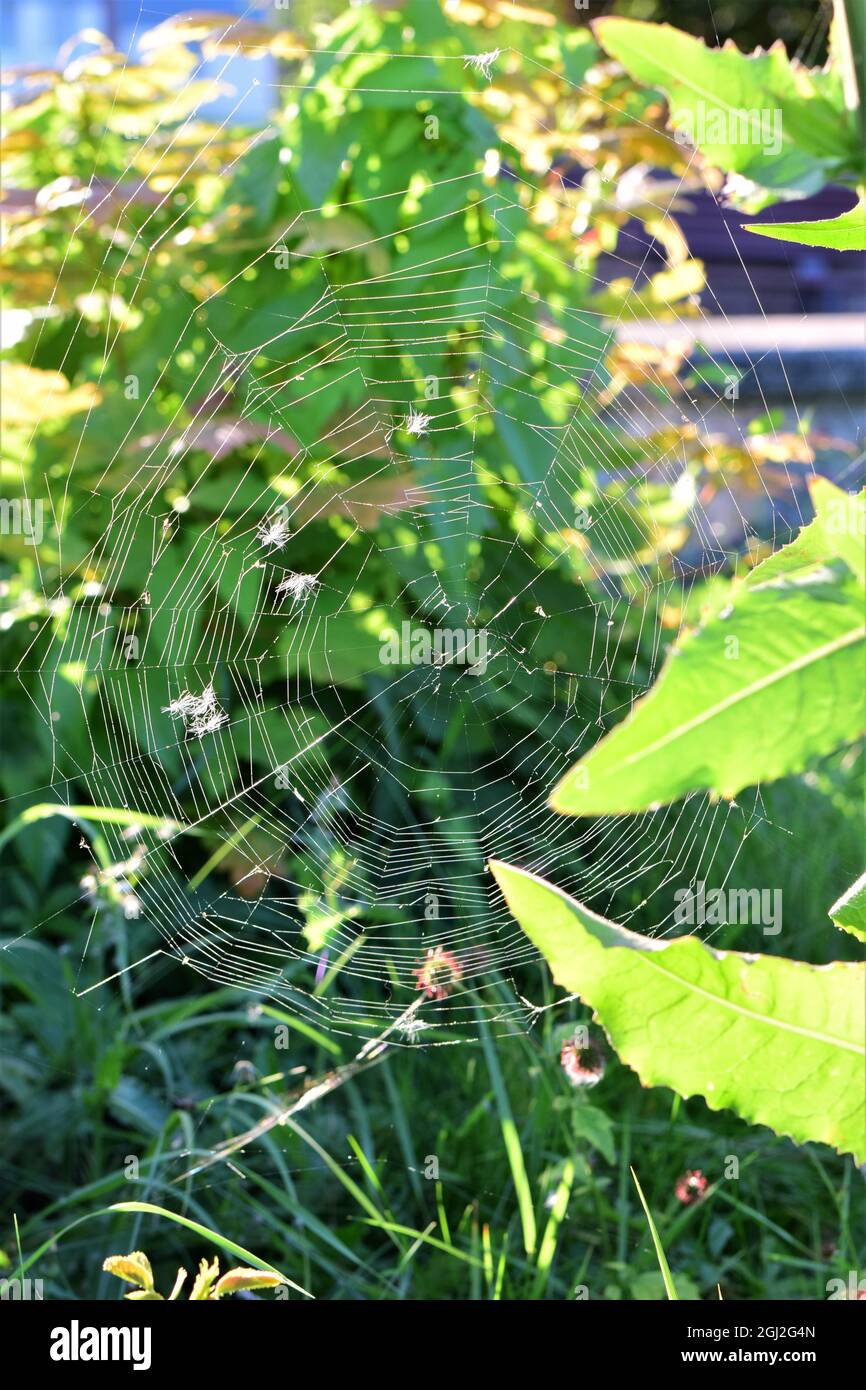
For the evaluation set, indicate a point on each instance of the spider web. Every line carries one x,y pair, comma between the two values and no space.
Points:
250,718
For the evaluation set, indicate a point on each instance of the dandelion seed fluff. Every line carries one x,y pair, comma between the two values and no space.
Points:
416,422
207,723
274,534
483,62
297,586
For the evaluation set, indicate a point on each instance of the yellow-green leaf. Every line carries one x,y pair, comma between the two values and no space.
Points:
781,1042
134,1268
236,1279
844,233
849,912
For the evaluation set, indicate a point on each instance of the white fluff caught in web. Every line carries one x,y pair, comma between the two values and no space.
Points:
298,587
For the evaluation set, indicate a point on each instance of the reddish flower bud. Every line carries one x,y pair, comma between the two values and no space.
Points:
583,1063
691,1187
440,971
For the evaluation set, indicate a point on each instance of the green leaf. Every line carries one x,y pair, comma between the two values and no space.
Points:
762,689
780,1041
511,1140
838,532
842,518
337,648
595,1126
650,1287
849,912
761,116
844,233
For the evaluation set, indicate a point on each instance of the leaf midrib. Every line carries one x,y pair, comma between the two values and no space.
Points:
811,1033
746,693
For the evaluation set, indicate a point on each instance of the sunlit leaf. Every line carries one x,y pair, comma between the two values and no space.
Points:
237,1279
134,1268
778,126
781,1042
849,912
844,233
760,691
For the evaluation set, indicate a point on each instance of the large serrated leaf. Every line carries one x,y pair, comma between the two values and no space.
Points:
837,532
760,691
781,1042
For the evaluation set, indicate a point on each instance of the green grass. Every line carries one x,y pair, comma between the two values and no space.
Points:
338,1200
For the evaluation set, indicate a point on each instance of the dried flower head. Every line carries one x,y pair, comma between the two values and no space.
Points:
412,1027
189,706
691,1187
582,1062
441,970
184,705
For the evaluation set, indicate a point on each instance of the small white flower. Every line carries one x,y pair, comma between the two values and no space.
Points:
483,62
416,422
299,586
274,534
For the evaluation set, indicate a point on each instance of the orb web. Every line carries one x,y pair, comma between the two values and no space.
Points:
337,694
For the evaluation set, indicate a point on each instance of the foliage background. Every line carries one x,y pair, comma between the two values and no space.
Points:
162,1067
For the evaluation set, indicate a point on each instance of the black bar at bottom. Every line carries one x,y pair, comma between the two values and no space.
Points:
250,1339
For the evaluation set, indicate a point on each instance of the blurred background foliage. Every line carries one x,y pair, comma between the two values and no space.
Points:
151,250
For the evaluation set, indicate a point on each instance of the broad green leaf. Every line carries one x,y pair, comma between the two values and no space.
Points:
780,1041
844,233
838,531
761,116
842,518
650,1287
772,682
849,912
594,1126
